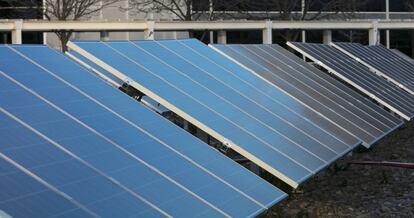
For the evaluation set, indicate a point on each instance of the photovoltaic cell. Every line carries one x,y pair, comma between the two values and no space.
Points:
113,80
359,77
402,55
318,91
23,196
383,62
84,184
114,156
203,87
108,77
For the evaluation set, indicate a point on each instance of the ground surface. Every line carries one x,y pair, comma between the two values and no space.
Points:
359,191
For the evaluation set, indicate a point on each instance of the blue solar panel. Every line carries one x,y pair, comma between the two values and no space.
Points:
360,77
22,195
82,183
339,104
95,68
383,61
146,156
254,124
113,80
400,54
276,103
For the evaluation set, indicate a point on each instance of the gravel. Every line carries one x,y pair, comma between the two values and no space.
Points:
346,190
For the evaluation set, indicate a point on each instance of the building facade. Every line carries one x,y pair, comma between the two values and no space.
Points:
254,9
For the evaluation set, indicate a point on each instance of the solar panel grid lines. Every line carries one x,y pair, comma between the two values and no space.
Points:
62,148
119,147
358,76
217,135
395,54
302,79
399,98
237,126
349,96
191,160
114,82
35,186
212,173
226,55
316,126
67,187
101,75
392,69
258,58
235,166
386,60
264,94
126,60
252,101
401,60
400,68
225,182
212,70
261,57
306,150
400,54
187,117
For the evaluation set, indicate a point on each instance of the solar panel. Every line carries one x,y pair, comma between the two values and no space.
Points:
23,194
113,80
44,157
321,93
359,77
402,55
105,75
108,152
223,103
383,62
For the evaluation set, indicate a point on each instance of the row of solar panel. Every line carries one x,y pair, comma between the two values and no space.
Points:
226,101
73,146
262,101
375,71
315,89
298,118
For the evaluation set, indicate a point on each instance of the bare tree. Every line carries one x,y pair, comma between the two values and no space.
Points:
301,10
247,9
184,9
72,10
180,8
65,10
